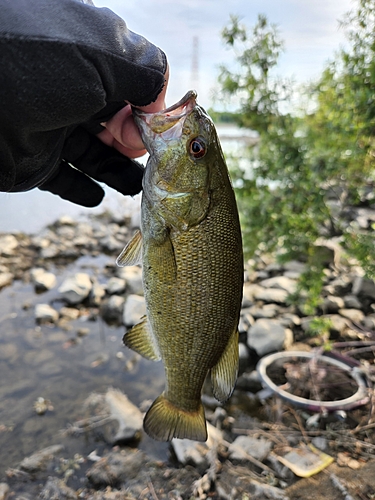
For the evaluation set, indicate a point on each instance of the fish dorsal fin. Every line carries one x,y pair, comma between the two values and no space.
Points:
141,340
132,253
224,373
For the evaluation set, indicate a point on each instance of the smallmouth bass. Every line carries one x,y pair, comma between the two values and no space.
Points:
191,251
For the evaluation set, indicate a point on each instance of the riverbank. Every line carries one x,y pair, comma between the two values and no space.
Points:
64,306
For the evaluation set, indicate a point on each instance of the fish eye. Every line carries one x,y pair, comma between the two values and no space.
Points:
197,148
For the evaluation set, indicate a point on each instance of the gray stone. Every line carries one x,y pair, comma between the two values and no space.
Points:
4,490
352,302
8,244
116,286
364,287
126,414
6,279
97,294
249,382
117,467
294,266
69,313
56,489
274,295
332,304
243,446
76,288
133,277
265,311
250,290
38,460
42,279
354,315
280,282
267,335
112,309
369,322
135,308
44,313
194,452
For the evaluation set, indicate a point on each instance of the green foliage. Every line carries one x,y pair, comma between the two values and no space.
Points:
319,327
311,165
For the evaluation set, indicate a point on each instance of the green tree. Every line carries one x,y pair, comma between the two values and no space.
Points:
309,166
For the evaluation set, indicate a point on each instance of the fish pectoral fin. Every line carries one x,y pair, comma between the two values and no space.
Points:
224,373
132,253
140,340
165,421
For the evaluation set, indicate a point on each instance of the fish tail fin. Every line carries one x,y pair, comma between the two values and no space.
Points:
165,421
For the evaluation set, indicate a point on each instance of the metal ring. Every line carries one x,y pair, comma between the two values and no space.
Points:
360,397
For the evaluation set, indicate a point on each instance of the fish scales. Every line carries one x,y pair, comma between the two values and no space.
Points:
192,269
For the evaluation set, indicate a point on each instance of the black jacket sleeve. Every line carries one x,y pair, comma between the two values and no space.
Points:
65,67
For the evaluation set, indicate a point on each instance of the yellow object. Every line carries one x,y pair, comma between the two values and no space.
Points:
306,460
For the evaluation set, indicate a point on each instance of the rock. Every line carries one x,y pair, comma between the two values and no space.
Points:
194,452
116,468
243,354
6,279
239,483
249,382
8,352
42,279
275,295
265,311
134,309
280,282
268,335
8,244
127,415
75,289
243,446
354,315
4,490
112,309
97,293
332,304
69,313
37,461
351,302
56,489
364,287
133,277
294,267
250,290
44,313
116,286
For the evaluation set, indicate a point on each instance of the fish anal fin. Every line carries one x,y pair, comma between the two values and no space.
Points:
165,421
224,373
132,253
140,339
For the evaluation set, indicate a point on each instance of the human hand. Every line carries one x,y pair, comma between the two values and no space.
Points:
121,131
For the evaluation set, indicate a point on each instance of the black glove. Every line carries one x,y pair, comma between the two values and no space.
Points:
86,158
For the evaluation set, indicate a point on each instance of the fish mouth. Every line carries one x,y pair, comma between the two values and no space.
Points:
168,122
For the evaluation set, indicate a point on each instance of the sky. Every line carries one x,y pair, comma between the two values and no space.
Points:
309,28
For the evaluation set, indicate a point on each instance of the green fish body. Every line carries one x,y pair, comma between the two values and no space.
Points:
191,252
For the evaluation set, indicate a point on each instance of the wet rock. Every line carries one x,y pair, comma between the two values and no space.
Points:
44,313
96,295
268,335
116,468
69,313
115,286
38,460
42,279
194,452
332,304
134,309
56,489
243,446
112,309
76,288
6,279
126,414
8,244
4,490
133,277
